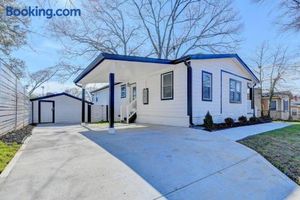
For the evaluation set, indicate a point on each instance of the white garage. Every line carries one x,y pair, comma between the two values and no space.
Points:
59,108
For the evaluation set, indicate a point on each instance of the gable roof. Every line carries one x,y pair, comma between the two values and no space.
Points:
106,56
59,94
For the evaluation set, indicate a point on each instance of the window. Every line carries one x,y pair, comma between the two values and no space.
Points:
294,112
235,91
273,105
167,86
145,96
206,86
96,99
285,106
123,91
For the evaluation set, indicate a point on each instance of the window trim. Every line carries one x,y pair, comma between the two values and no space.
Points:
211,86
123,86
161,86
275,105
233,101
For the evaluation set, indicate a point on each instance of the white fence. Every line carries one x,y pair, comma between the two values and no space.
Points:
14,102
99,113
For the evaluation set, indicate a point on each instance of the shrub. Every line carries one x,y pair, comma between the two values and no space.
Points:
208,121
253,119
229,121
242,119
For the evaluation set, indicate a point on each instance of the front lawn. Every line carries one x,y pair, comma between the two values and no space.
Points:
7,152
280,147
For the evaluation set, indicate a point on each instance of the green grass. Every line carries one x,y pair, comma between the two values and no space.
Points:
7,152
281,147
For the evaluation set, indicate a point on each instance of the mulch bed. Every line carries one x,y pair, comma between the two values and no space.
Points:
222,126
17,136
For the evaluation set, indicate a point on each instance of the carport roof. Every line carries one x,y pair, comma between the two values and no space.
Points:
59,94
106,56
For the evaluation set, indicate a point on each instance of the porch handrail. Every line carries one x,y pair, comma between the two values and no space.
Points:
130,110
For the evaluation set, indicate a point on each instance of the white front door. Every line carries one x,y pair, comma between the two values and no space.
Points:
46,112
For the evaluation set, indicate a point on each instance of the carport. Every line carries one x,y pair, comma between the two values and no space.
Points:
111,68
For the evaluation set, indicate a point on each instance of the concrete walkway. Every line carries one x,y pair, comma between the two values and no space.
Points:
140,162
238,133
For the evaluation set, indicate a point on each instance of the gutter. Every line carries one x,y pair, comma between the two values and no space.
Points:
189,91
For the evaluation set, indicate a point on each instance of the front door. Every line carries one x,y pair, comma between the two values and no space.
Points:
46,111
132,92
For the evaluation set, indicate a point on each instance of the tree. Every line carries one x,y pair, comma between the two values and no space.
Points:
260,60
289,16
12,36
60,72
274,67
163,28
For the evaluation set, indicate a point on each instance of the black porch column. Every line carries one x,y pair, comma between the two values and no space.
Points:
111,101
83,105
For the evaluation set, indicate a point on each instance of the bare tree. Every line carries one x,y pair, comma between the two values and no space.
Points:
59,72
289,16
163,28
260,60
12,36
274,67
176,28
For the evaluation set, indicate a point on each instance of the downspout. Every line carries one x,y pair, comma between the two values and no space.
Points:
189,92
253,99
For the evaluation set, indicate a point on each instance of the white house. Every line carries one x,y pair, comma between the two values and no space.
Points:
172,92
59,108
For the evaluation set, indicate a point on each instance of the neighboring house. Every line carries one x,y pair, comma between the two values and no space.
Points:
295,108
59,108
173,92
280,105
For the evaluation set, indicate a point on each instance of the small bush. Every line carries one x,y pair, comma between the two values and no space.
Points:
229,121
253,119
242,119
208,121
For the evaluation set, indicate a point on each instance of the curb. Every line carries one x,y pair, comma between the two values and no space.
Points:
13,161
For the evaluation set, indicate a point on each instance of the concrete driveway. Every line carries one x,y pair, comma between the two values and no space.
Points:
140,162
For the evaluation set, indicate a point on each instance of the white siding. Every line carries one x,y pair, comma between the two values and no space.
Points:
220,106
102,97
67,109
168,112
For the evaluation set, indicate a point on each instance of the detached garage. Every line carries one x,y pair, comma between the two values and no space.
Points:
59,108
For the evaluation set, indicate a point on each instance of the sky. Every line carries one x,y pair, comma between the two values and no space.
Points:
259,25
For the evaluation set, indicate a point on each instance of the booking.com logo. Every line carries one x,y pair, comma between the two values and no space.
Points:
40,12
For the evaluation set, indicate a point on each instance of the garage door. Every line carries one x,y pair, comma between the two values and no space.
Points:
46,112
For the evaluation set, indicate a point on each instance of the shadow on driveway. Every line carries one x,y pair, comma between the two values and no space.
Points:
183,163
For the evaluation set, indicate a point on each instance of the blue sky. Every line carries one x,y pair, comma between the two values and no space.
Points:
259,25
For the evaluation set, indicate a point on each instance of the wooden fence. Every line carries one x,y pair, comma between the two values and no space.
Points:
14,102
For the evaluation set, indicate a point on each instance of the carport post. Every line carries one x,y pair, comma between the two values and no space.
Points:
83,105
111,128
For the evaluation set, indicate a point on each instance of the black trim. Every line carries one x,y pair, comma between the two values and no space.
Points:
89,113
189,92
211,86
106,109
105,56
123,86
53,111
83,106
59,94
161,89
111,100
32,120
146,101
